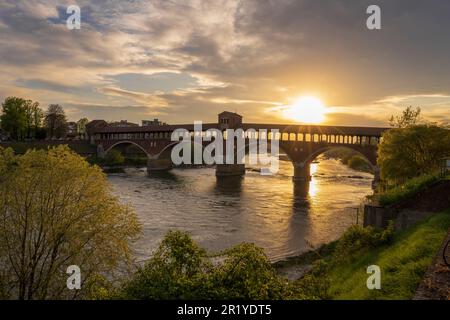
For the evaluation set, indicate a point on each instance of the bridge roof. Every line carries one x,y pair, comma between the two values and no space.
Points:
312,129
319,129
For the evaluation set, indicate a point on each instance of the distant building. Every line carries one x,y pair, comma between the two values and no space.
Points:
230,120
123,124
154,122
92,126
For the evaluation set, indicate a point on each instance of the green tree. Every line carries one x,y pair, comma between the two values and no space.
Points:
411,151
34,116
55,122
408,118
81,127
14,117
114,158
180,269
55,211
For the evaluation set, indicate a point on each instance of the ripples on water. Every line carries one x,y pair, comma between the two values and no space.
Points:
259,209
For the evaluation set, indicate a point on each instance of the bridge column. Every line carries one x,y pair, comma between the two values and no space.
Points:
228,170
155,165
301,171
100,151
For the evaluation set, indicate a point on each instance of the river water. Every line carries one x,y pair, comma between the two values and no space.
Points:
266,210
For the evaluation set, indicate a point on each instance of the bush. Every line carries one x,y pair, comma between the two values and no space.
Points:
407,189
359,163
357,238
180,269
114,158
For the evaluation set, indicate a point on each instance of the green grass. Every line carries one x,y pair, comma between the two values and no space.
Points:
403,263
407,189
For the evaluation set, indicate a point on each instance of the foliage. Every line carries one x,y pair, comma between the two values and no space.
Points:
180,269
357,238
114,157
21,118
350,158
413,151
408,189
81,126
55,211
315,284
359,163
402,264
55,122
409,117
13,118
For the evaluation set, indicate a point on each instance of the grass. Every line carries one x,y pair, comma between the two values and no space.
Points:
407,189
403,263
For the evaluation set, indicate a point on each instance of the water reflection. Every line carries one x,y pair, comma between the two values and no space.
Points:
271,211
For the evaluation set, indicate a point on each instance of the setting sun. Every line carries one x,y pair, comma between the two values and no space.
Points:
306,109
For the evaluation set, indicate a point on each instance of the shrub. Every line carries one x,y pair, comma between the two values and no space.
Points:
180,269
407,189
114,158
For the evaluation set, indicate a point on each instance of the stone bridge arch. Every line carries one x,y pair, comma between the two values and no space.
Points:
126,142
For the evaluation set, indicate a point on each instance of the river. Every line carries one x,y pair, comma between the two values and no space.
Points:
265,210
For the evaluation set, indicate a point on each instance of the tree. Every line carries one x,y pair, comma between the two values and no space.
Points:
411,151
34,116
114,158
180,269
14,118
408,118
56,211
81,127
55,122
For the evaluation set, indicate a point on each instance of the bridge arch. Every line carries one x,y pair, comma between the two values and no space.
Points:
310,158
124,142
165,153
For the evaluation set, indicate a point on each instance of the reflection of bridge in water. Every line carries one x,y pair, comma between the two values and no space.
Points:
301,143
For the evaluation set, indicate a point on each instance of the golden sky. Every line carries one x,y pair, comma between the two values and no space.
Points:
182,61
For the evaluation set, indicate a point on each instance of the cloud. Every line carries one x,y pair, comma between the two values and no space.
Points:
194,58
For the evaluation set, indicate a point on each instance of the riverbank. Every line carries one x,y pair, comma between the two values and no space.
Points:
403,261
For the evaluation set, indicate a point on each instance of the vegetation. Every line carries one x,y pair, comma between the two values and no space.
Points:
409,152
55,121
24,119
409,117
350,158
403,263
180,269
408,189
114,158
412,149
55,211
402,257
21,118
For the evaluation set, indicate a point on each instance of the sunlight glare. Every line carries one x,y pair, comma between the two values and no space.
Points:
307,109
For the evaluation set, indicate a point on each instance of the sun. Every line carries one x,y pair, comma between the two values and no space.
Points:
307,109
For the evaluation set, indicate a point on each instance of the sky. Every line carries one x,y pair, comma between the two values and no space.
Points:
182,61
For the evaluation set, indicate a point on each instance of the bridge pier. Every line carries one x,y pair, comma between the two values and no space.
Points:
230,170
302,172
156,165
